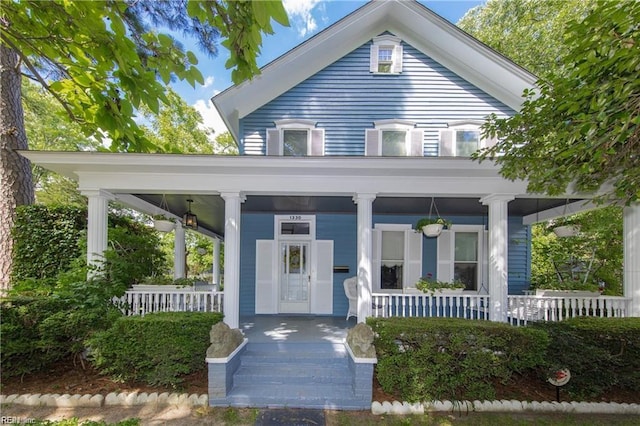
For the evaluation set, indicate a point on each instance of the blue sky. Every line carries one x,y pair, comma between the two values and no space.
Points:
307,18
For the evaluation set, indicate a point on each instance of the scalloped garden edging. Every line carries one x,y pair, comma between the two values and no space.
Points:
125,399
504,406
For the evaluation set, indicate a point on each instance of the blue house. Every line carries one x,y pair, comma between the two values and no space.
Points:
346,141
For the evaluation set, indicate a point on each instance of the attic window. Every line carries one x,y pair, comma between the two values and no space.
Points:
386,55
295,138
394,138
462,139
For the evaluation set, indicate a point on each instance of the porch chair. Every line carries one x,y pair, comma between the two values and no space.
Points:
351,291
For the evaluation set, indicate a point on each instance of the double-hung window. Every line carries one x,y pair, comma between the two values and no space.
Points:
462,256
386,55
397,257
394,138
461,139
295,138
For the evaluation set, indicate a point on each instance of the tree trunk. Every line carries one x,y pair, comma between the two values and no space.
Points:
16,187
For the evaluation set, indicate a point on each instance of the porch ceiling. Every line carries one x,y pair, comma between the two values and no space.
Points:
210,208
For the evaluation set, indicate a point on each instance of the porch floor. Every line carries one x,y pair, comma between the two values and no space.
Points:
296,328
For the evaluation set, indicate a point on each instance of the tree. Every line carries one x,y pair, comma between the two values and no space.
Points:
102,61
581,127
529,32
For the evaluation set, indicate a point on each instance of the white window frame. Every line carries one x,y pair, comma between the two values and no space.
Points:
395,125
388,41
279,219
295,124
467,125
409,261
479,229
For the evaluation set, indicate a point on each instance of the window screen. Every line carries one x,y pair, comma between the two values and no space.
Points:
294,143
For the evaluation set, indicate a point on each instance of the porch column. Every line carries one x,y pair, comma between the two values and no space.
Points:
498,254
365,253
631,259
215,272
179,252
97,222
232,201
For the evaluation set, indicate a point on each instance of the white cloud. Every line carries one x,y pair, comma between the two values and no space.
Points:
208,82
210,116
300,15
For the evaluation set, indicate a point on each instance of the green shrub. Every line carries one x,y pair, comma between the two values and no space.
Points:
600,353
157,348
46,240
37,331
424,359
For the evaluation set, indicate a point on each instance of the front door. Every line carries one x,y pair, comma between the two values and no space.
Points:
294,277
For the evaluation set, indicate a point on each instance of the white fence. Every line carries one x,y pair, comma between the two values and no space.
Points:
450,305
143,300
521,309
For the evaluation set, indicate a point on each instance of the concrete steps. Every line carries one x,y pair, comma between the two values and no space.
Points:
294,375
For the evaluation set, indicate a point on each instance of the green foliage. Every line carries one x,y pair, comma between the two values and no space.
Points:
429,284
76,422
600,353
425,359
157,348
134,251
422,222
102,61
559,262
581,125
46,240
37,331
529,32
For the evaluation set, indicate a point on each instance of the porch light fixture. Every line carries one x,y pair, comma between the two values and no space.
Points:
190,220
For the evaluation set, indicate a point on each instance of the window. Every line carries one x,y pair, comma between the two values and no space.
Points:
462,256
397,257
295,138
467,142
394,143
392,262
465,266
462,139
386,55
394,138
295,143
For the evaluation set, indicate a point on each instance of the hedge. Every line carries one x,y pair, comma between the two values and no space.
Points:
156,349
423,359
600,353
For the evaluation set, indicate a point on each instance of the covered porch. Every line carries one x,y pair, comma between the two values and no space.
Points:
228,190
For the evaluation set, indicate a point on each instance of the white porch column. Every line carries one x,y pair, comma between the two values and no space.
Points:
179,252
365,253
232,201
498,254
97,222
631,265
215,272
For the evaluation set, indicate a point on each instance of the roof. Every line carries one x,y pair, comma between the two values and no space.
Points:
413,23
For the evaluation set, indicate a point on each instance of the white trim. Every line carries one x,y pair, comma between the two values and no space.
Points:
396,125
387,41
479,229
359,360
297,218
393,227
294,123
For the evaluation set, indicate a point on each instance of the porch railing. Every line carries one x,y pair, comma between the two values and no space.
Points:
449,305
523,309
143,300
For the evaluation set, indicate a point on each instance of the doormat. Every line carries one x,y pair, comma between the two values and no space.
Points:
290,417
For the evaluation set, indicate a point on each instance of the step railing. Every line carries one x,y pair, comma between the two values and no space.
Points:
524,309
449,305
142,300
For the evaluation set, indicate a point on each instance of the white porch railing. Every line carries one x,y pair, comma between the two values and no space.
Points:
450,305
146,299
523,309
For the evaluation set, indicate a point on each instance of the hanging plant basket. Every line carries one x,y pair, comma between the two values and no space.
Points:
566,231
163,225
432,230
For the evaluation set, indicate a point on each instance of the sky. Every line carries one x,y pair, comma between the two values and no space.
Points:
307,18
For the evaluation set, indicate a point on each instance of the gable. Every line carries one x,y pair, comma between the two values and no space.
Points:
345,98
413,23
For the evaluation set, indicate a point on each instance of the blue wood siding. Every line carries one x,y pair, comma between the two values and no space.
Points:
341,228
345,98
